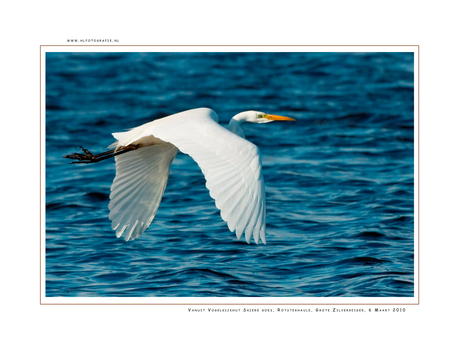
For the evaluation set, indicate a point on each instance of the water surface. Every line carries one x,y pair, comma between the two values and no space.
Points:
339,180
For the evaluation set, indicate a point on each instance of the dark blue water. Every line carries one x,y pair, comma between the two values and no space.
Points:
339,180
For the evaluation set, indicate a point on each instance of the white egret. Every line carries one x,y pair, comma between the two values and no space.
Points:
231,165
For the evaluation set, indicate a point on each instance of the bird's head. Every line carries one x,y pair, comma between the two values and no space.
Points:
254,117
260,117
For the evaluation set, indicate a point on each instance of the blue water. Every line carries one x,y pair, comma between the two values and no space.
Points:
339,180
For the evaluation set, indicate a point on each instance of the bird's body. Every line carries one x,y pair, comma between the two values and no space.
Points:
231,165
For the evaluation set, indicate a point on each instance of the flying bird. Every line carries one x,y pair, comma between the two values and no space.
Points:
231,165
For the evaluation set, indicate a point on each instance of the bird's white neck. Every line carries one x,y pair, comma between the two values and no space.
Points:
236,121
235,127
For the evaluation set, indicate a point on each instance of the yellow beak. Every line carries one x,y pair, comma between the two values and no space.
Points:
278,118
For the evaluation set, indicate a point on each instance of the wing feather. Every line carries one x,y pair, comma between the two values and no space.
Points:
138,187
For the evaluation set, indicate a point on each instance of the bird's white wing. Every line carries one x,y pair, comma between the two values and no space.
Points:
138,187
231,165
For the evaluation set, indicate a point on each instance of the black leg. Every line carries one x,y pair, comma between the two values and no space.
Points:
88,157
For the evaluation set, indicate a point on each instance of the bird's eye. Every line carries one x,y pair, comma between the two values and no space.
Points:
260,115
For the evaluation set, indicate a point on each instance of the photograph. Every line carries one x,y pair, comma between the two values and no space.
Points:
202,172
227,173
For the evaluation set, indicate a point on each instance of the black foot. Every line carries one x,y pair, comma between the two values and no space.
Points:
88,157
